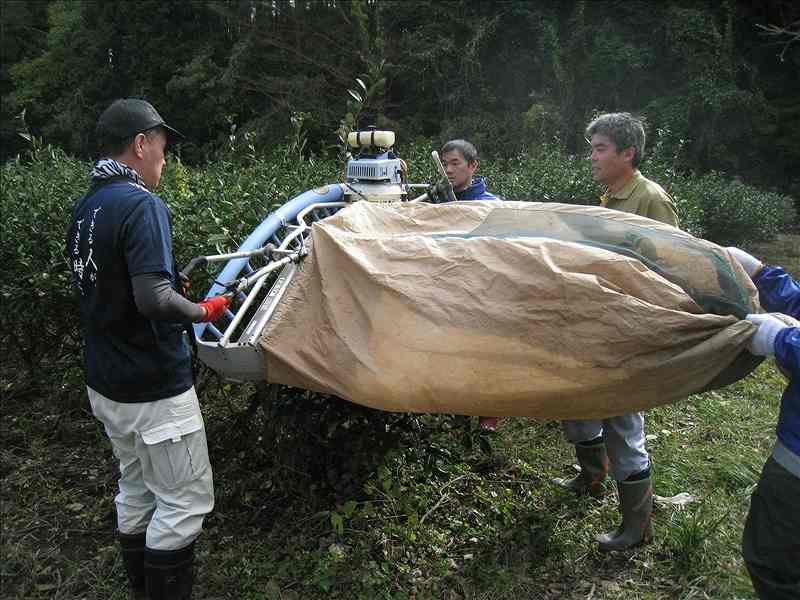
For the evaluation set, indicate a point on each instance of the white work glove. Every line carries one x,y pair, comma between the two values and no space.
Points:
749,263
763,342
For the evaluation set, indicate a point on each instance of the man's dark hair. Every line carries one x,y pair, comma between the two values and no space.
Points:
623,129
114,147
468,151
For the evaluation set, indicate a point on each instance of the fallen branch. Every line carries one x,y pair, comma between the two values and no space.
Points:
441,499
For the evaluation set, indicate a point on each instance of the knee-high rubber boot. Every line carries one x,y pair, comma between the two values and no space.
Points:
132,550
593,461
170,573
636,506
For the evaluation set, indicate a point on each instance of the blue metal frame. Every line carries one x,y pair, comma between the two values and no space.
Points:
266,230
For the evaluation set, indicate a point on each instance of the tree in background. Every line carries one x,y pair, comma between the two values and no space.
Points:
23,32
514,76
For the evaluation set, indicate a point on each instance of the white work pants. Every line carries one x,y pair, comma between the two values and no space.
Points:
165,485
624,439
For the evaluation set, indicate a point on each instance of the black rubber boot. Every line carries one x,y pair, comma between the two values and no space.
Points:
170,573
593,461
132,550
636,506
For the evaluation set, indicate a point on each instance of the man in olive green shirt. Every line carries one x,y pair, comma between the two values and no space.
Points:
618,443
643,197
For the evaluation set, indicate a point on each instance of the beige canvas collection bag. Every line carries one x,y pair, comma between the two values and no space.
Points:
509,308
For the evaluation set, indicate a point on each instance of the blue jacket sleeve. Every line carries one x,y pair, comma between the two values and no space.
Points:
787,351
778,291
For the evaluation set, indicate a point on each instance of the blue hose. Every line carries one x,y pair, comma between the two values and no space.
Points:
268,227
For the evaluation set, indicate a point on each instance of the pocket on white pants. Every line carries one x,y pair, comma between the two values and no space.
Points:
178,451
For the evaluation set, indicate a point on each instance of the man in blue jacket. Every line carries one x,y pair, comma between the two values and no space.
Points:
771,541
460,162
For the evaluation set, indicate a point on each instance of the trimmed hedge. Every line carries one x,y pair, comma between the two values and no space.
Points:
710,206
729,212
219,205
38,317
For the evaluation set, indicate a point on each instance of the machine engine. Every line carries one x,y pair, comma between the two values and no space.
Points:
374,173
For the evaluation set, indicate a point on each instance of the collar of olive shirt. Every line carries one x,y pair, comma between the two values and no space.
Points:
626,190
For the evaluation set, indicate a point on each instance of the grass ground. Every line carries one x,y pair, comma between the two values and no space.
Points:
340,502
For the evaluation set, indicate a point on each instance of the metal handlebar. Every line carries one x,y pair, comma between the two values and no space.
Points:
202,261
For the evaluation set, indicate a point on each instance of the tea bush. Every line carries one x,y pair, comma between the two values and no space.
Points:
217,206
38,309
729,212
711,206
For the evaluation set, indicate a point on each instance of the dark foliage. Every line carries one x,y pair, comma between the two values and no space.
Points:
511,75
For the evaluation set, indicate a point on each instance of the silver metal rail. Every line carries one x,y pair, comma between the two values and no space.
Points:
255,281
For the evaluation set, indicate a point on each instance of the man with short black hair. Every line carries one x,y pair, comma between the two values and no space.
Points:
460,161
618,443
137,364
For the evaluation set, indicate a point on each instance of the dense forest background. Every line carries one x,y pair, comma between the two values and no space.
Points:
716,89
